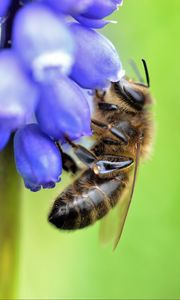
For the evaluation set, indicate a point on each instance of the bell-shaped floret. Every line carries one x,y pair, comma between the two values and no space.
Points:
101,8
97,62
93,23
43,42
63,110
4,4
4,137
18,95
37,158
69,6
94,14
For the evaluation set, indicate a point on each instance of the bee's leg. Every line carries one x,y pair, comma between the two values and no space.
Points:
85,155
116,131
68,162
109,165
104,106
105,165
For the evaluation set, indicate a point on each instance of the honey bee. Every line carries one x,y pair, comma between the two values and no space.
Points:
122,128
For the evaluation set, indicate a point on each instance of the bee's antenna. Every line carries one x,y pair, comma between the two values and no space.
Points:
136,71
146,72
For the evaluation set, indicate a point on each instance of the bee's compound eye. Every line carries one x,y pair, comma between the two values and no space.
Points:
135,96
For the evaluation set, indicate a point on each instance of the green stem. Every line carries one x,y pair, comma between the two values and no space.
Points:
10,194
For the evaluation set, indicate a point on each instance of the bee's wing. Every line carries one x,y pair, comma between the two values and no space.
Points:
108,226
112,225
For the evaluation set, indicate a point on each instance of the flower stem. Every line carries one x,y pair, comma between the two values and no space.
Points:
10,194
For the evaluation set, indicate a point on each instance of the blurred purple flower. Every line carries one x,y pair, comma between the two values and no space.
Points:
94,23
99,9
37,158
70,113
69,6
4,4
4,137
35,87
18,96
97,62
43,42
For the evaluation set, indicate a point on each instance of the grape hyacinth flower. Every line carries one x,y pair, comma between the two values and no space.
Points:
17,101
99,9
3,7
4,137
92,68
51,48
45,73
69,7
39,156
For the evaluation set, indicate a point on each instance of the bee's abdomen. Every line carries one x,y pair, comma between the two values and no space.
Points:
85,201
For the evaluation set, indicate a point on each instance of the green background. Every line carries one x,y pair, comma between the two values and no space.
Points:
146,264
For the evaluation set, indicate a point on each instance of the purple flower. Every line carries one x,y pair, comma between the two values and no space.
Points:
63,110
43,42
45,78
94,23
97,62
94,14
18,96
4,4
37,158
69,6
4,137
101,8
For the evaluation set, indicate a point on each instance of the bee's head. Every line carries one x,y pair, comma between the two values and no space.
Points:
134,94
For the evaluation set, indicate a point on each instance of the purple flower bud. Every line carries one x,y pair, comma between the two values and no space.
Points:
43,42
4,4
18,96
4,137
63,110
101,8
97,62
69,6
37,158
94,14
93,23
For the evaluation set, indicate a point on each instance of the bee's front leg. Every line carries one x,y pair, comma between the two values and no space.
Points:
115,131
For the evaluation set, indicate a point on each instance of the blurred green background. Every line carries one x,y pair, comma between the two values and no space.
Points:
146,264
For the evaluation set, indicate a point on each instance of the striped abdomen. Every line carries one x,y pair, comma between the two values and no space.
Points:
88,199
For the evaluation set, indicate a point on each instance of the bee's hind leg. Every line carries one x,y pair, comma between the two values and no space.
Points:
110,165
103,166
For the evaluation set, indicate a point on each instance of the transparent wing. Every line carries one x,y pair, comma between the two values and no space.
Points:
112,225
108,226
